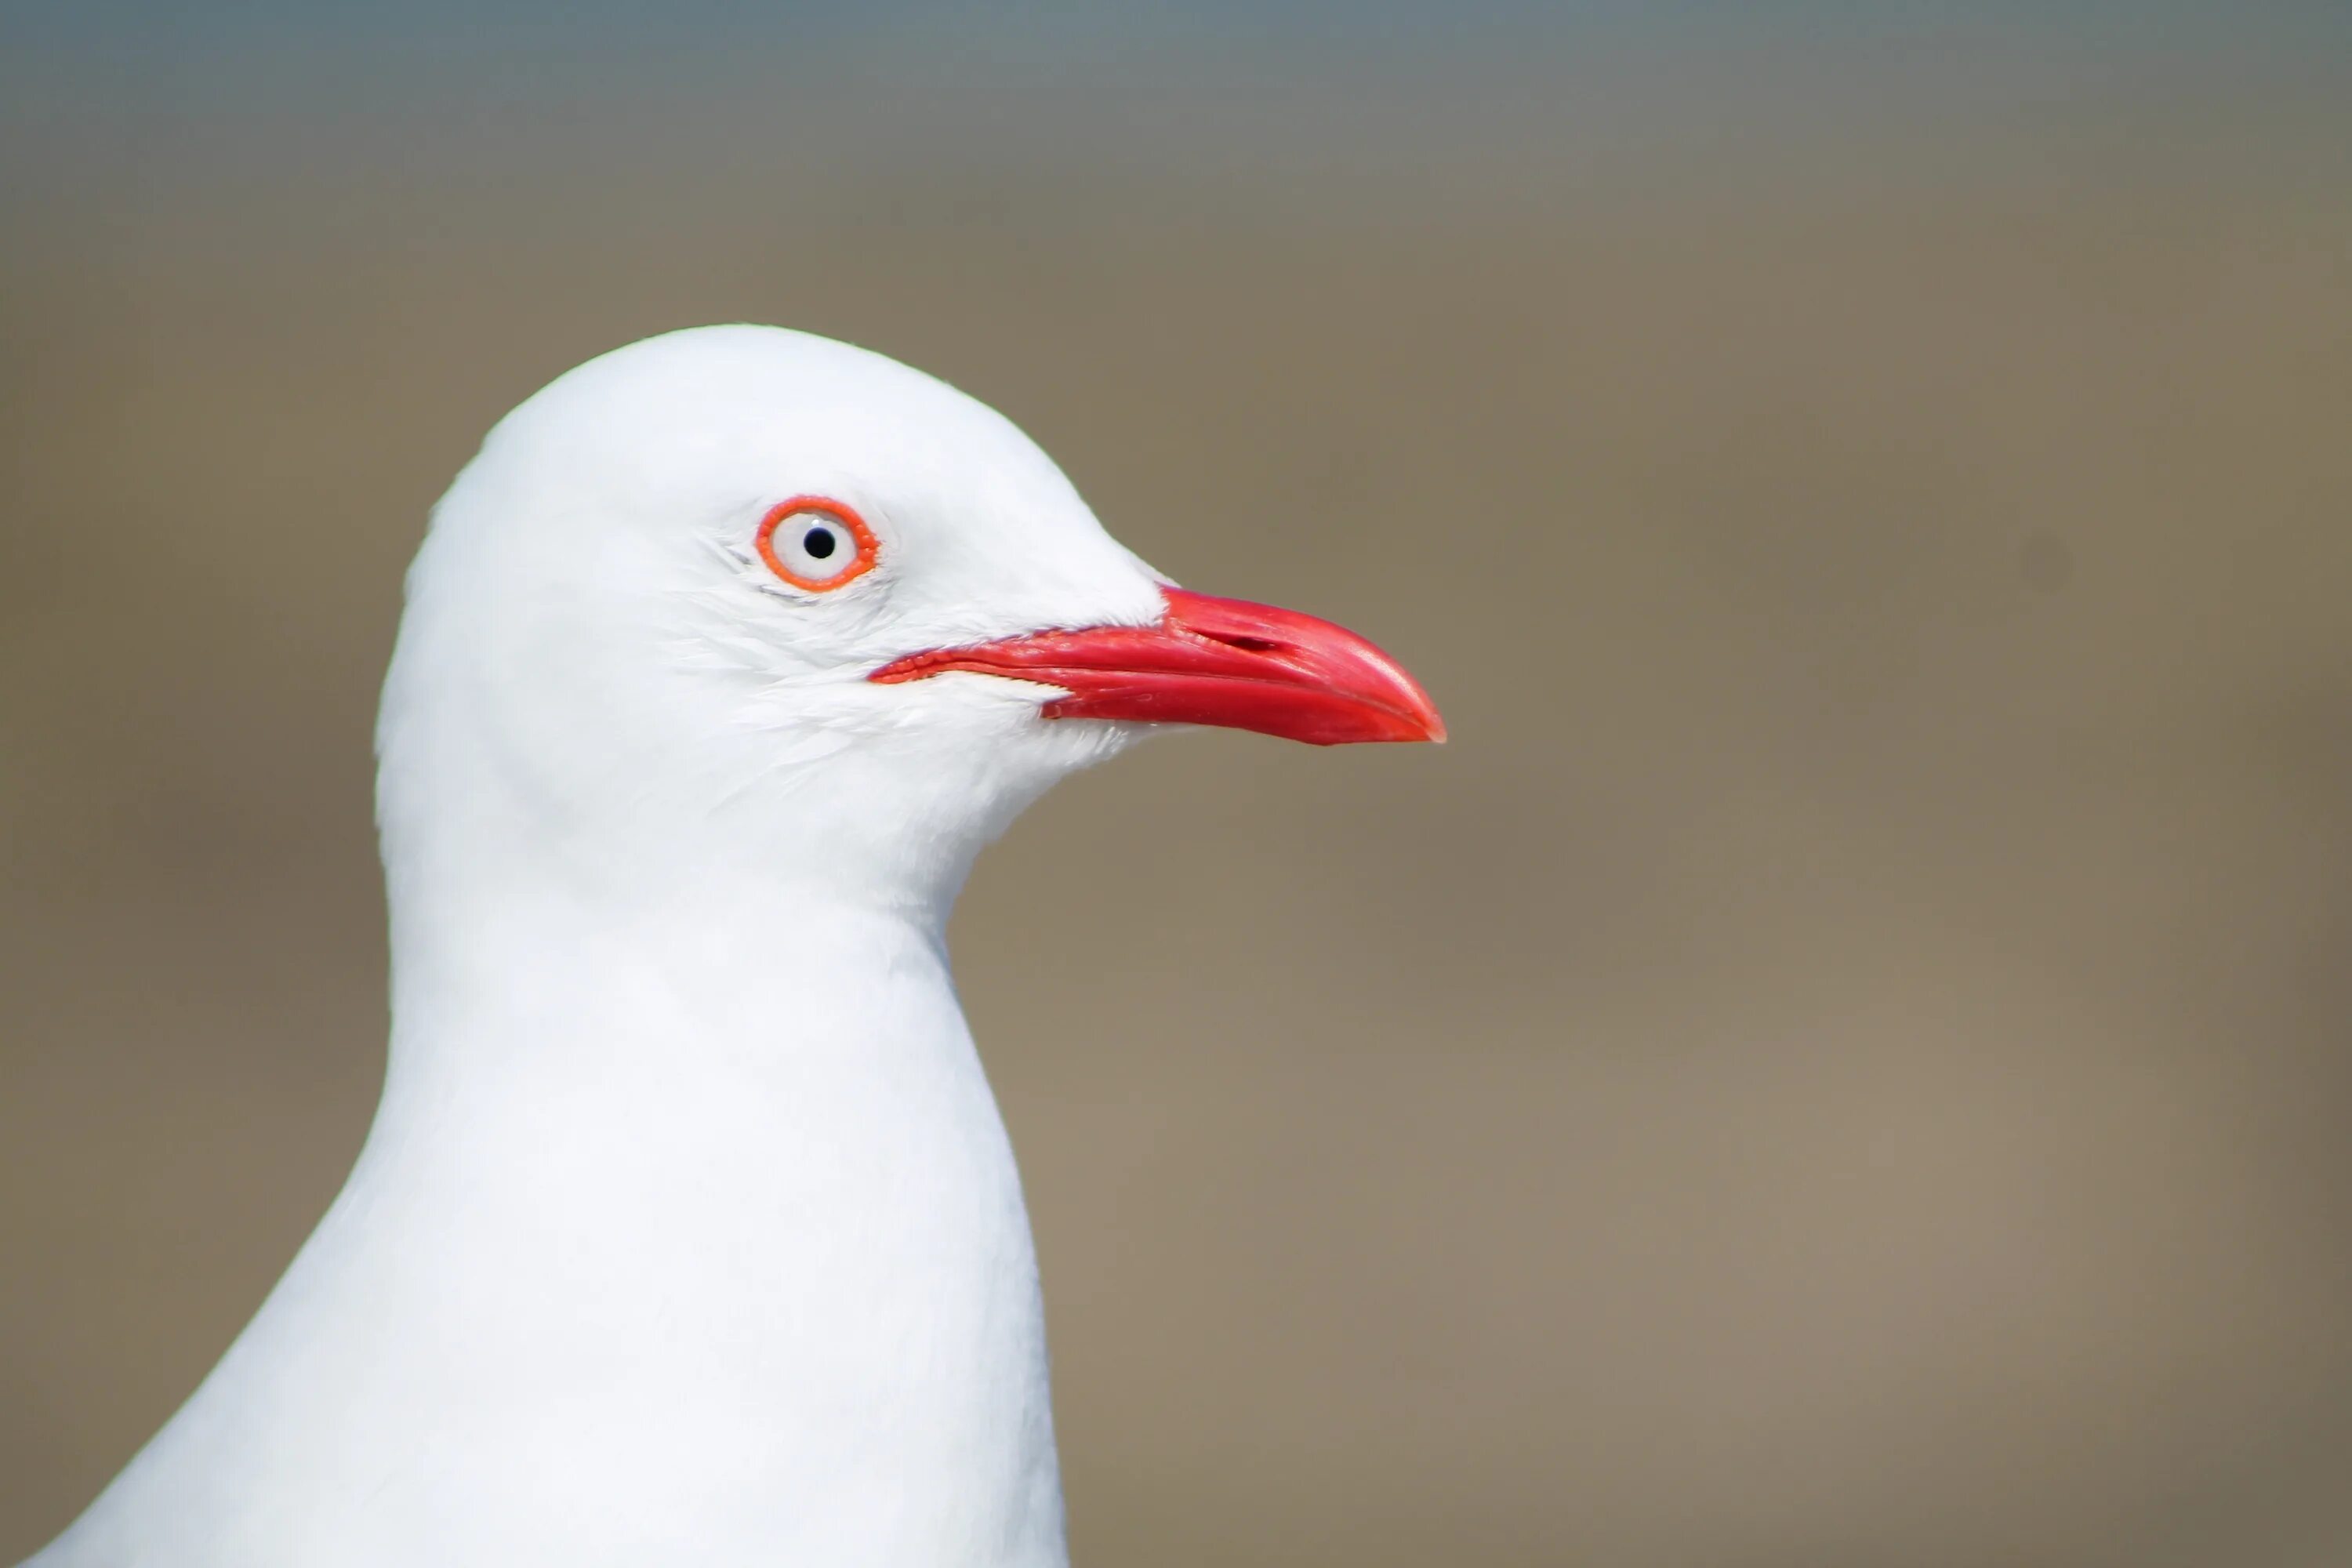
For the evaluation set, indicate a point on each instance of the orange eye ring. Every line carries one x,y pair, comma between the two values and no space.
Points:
832,511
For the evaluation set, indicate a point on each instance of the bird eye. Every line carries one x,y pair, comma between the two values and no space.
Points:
814,543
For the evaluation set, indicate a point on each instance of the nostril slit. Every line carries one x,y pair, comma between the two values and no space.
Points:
1246,644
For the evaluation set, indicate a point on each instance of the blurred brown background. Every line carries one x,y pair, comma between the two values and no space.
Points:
1844,1061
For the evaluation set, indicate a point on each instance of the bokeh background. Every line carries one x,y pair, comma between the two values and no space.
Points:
1845,1058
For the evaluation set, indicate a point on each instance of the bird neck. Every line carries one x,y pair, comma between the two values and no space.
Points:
724,1138
520,961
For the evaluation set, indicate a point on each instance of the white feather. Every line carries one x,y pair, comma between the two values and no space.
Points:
687,1231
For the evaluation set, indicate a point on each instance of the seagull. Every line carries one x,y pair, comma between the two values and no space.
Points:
687,1231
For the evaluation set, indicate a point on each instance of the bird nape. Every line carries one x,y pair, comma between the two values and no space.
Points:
686,1229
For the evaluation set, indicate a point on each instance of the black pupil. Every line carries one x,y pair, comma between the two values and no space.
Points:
818,542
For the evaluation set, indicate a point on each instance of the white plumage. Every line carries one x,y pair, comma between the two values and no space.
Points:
687,1231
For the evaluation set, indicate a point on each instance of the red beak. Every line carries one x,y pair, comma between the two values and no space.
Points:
1211,661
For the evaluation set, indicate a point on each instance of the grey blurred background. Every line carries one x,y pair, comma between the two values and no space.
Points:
1843,1061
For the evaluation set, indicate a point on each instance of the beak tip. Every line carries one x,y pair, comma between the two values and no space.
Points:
1414,706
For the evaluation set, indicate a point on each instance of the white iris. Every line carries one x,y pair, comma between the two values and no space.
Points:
813,546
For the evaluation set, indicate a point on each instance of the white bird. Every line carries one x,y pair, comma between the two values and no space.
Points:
687,1231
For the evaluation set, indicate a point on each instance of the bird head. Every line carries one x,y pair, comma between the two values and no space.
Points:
746,591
